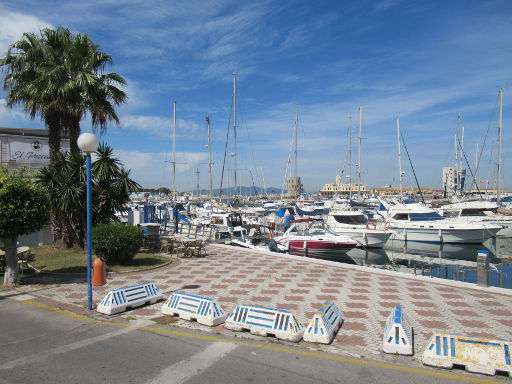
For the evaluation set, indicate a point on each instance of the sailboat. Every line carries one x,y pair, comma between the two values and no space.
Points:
345,220
417,222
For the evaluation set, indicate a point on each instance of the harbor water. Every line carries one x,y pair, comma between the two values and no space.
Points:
446,261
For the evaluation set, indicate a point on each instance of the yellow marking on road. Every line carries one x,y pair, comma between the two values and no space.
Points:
273,347
325,356
72,315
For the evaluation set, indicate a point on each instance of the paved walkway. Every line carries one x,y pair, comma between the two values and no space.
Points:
365,296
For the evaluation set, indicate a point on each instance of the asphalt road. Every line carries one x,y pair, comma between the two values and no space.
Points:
41,346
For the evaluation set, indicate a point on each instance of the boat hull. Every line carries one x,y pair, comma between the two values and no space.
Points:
366,238
440,235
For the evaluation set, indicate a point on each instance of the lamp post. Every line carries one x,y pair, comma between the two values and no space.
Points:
88,143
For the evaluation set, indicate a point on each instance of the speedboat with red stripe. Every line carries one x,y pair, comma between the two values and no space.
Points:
312,241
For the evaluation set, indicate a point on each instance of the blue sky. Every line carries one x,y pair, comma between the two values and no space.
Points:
422,61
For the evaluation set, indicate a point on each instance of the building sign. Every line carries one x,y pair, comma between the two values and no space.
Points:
30,151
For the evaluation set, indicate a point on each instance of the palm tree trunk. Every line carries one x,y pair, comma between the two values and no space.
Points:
74,132
11,260
52,121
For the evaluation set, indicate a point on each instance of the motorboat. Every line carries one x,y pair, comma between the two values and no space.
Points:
313,241
255,237
417,222
356,225
479,211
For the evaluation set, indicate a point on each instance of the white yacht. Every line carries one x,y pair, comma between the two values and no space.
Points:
357,226
479,211
417,222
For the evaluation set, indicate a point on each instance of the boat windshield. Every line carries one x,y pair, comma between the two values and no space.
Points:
475,212
354,219
425,216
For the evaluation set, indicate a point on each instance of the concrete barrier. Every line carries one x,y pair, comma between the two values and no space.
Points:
264,322
119,300
324,324
477,354
191,307
398,333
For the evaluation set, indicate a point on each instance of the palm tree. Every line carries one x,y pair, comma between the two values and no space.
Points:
65,182
87,88
60,76
27,66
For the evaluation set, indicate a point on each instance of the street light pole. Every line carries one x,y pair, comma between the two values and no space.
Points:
88,143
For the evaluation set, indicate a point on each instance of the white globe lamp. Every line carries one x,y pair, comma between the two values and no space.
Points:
88,142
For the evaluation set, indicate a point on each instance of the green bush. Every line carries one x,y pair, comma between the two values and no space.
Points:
116,243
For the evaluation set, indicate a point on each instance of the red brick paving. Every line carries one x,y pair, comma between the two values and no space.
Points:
364,298
350,340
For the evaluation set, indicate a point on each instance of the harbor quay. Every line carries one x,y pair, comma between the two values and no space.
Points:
364,295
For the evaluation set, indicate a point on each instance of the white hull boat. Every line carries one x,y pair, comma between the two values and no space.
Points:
355,224
484,212
417,222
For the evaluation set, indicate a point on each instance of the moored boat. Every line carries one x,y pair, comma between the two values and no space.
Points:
314,241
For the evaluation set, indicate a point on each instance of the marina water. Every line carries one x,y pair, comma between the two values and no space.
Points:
447,261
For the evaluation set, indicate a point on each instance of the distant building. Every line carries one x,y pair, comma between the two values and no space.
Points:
383,191
26,147
345,189
293,187
453,180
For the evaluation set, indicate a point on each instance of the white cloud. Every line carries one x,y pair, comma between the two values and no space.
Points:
14,24
152,169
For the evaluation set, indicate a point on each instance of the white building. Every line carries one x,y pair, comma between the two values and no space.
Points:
453,180
26,147
293,187
345,189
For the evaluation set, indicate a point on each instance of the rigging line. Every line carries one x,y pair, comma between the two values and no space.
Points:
346,156
485,138
166,158
469,166
242,107
225,150
413,171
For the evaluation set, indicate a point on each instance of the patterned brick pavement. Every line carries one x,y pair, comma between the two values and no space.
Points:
365,296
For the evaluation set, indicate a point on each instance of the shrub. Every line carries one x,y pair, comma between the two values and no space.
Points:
116,243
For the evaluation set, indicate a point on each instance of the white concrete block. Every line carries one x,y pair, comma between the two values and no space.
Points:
398,333
191,307
119,300
324,324
477,354
265,321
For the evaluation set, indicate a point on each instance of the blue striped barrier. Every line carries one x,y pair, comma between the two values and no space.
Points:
398,333
478,354
324,324
119,300
191,307
265,321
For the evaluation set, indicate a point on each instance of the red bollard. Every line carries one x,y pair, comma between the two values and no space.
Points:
99,272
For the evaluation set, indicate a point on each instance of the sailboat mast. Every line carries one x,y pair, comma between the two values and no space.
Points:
210,157
359,152
350,156
461,158
399,159
174,151
296,131
263,180
498,185
234,125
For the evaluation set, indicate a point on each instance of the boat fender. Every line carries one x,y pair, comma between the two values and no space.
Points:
370,225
